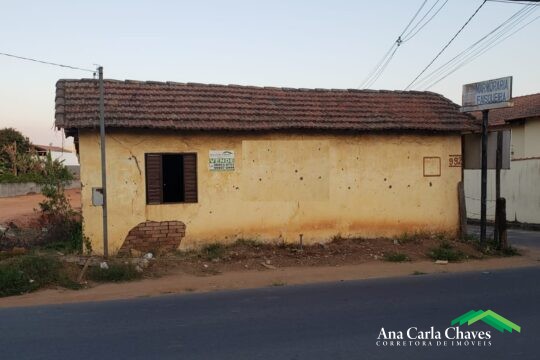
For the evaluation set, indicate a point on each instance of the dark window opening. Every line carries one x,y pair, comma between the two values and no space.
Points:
173,178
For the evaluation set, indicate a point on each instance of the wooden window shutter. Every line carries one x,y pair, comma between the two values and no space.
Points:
154,179
190,178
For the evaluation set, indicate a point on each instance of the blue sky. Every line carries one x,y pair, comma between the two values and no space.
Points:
324,44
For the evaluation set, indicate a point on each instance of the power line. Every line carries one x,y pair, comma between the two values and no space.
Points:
447,44
522,2
474,51
484,41
477,55
465,52
377,71
46,62
408,36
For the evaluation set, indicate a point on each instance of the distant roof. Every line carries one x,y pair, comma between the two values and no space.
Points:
524,107
50,148
191,106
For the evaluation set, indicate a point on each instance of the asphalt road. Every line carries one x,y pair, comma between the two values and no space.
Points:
516,237
329,321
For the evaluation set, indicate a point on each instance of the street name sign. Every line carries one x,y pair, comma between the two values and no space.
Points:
485,95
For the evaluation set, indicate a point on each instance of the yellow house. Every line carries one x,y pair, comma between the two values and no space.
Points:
190,164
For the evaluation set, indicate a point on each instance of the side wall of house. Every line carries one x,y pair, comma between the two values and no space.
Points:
519,184
283,185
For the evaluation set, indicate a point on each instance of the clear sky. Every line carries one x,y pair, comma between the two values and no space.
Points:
295,43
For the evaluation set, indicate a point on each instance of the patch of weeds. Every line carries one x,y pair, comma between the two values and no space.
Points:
65,282
510,251
248,242
445,251
491,248
395,257
67,236
405,238
278,283
336,238
117,272
189,289
28,273
213,251
418,273
473,238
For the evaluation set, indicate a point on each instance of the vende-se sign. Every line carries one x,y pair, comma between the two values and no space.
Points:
490,94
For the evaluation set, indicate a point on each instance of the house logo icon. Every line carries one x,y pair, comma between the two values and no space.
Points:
491,318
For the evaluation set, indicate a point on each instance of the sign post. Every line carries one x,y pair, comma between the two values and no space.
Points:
483,96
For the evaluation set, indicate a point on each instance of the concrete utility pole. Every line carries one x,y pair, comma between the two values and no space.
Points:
483,194
103,160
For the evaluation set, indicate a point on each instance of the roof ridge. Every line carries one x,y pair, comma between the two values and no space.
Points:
261,87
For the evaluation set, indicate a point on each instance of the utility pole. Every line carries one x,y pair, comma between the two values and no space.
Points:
103,160
482,96
483,194
498,167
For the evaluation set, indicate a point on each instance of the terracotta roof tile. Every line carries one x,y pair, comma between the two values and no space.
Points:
524,107
192,106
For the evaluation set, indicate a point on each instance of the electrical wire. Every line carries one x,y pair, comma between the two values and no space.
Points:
46,62
408,36
497,43
465,52
517,2
447,45
376,72
486,40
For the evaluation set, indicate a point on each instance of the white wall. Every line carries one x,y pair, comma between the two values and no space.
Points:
520,186
67,158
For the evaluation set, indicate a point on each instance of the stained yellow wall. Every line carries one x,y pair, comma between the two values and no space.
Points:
283,185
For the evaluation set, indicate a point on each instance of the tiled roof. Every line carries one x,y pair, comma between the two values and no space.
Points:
524,107
135,104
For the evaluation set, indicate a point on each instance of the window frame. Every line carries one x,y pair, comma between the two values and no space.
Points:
161,177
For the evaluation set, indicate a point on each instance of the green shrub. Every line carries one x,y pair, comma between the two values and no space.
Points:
117,272
445,251
395,257
67,237
21,178
28,273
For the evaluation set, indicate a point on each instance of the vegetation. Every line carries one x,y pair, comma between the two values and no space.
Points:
395,257
19,161
13,145
116,272
445,251
213,251
26,273
416,272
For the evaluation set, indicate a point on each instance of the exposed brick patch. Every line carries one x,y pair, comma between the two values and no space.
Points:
162,236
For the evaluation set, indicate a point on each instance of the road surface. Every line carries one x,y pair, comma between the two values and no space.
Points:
516,237
325,321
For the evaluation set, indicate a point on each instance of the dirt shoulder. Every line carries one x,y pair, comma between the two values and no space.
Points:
179,281
21,209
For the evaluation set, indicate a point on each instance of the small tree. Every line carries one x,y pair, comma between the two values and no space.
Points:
55,208
63,224
12,142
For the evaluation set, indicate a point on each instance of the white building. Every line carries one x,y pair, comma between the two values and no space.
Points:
520,185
